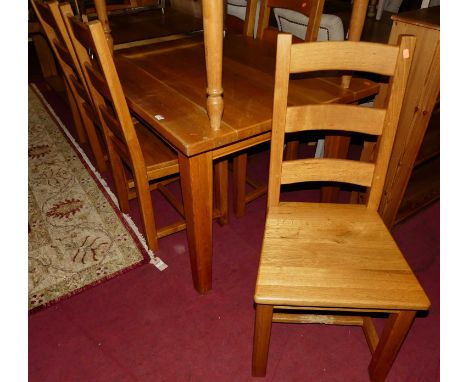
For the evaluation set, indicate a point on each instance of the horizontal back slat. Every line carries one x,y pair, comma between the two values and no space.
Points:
45,14
335,117
97,81
99,84
64,54
81,33
89,111
343,55
80,89
112,122
327,170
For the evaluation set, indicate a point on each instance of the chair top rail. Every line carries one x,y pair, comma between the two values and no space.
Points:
344,55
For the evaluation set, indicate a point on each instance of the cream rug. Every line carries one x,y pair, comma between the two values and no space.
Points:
77,236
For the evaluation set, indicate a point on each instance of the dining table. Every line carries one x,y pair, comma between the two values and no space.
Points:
165,85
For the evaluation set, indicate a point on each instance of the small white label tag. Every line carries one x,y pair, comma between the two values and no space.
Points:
158,263
159,117
405,53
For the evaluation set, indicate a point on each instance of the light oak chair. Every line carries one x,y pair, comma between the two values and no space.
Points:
335,263
309,12
129,142
78,95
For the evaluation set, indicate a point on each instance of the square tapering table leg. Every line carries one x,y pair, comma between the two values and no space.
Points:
221,190
196,175
240,179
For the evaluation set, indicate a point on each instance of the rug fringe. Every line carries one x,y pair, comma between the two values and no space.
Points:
154,260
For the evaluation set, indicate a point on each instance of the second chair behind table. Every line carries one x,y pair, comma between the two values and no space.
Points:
129,142
79,98
339,89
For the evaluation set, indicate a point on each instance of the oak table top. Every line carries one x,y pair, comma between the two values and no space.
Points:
169,79
143,24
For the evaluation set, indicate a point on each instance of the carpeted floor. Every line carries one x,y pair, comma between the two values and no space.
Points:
147,325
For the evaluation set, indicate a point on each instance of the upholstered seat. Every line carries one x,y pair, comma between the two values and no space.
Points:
331,26
330,29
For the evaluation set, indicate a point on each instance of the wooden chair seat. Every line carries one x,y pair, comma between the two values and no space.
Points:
333,256
159,158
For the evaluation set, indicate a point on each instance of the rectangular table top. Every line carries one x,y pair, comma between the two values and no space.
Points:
143,24
425,17
165,84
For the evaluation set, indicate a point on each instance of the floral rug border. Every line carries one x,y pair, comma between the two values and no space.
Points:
125,219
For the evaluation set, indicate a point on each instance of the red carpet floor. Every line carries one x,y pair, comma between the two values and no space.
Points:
148,325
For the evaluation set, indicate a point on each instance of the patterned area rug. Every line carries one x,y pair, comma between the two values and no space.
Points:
77,236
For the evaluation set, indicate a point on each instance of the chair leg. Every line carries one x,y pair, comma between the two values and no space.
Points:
292,149
240,180
221,190
263,320
392,338
146,209
367,155
335,147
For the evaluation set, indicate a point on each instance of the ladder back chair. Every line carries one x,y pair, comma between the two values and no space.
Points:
312,12
129,142
337,260
79,98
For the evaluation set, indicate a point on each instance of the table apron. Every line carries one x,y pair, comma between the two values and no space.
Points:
241,145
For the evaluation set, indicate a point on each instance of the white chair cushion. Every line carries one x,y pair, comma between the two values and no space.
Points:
331,26
237,8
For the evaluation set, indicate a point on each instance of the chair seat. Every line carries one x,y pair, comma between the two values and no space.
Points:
304,264
160,159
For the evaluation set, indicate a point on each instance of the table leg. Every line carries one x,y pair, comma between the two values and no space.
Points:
222,190
196,175
240,180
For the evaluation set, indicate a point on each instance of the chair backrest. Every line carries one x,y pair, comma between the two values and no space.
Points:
382,59
95,58
310,8
51,21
